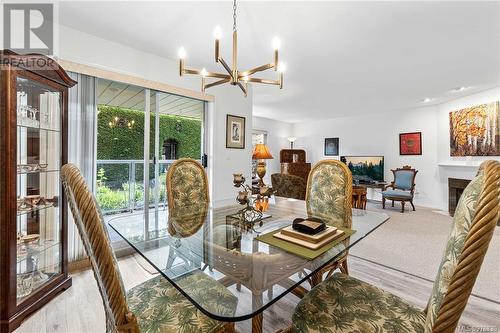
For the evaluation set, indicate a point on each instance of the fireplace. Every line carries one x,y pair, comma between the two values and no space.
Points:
455,189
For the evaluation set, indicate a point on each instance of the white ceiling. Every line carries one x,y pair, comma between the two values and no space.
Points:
119,94
343,58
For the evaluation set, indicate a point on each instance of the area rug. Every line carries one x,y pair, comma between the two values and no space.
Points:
414,242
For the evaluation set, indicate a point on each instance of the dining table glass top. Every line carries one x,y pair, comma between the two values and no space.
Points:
218,264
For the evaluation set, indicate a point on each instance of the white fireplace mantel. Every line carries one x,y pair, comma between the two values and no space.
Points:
460,164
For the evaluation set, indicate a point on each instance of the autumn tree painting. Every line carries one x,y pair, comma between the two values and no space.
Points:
474,131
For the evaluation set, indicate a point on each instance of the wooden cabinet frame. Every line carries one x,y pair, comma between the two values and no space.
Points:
45,71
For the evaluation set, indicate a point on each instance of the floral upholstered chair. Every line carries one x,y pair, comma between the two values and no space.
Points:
154,306
289,186
403,187
344,304
329,197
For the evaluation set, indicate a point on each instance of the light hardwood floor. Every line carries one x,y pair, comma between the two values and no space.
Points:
79,309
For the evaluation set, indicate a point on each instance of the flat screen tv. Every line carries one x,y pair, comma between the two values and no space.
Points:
365,169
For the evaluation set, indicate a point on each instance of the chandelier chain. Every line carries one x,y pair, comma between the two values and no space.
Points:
234,15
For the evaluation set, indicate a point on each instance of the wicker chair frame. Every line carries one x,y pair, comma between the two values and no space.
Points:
92,230
476,244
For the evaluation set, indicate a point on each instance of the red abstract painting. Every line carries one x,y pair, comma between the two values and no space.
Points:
410,143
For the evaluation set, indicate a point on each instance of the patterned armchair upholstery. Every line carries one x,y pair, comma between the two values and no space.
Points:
344,304
153,306
329,193
187,195
289,186
329,197
403,187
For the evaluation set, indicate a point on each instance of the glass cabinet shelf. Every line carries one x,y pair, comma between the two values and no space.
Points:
38,185
37,171
39,128
34,209
25,251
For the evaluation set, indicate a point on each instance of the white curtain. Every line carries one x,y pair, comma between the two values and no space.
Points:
82,118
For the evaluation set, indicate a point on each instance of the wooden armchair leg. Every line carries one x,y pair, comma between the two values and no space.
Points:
411,202
392,203
383,203
402,206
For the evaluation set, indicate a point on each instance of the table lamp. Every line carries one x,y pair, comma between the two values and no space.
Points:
261,153
292,140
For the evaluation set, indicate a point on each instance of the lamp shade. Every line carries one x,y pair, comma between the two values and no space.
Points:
261,152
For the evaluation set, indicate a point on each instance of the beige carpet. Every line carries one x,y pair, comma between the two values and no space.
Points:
414,242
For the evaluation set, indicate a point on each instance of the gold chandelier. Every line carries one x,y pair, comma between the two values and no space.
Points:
233,76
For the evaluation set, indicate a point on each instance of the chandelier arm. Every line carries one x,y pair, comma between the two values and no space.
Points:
208,74
226,66
264,81
243,88
216,83
255,70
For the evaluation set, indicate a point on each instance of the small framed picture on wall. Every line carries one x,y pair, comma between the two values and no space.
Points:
331,146
410,143
235,132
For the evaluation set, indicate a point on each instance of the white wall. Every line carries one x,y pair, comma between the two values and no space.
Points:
277,134
378,134
87,49
228,161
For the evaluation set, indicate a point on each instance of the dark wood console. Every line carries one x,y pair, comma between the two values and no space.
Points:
293,162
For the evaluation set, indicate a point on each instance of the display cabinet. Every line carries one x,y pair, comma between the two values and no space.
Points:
33,216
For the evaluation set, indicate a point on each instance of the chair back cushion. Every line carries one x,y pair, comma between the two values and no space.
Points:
187,194
187,184
289,186
95,238
474,221
329,193
403,179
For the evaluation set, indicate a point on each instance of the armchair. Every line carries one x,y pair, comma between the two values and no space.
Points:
403,187
289,186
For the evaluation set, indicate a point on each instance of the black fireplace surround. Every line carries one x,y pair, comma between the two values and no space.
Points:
455,189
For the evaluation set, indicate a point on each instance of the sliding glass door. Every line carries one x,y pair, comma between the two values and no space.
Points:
140,133
178,128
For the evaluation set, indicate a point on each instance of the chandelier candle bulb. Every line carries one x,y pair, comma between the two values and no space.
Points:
217,33
182,53
276,43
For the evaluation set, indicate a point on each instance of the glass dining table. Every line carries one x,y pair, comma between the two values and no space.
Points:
249,275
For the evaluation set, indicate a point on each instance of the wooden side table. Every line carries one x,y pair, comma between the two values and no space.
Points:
359,197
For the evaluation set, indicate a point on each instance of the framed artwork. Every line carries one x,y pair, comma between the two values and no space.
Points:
410,143
331,146
475,131
235,132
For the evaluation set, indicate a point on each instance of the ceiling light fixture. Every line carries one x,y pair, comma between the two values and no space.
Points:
233,76
427,100
459,89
